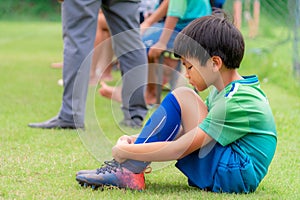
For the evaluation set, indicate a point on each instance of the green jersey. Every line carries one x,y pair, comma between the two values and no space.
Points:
241,113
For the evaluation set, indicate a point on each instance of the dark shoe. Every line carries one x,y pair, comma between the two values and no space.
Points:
135,123
56,123
112,174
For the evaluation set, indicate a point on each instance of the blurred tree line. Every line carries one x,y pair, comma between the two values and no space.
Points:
30,9
50,9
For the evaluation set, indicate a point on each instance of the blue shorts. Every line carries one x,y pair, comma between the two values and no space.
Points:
152,35
220,169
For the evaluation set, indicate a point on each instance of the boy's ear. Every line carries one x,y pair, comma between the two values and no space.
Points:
217,63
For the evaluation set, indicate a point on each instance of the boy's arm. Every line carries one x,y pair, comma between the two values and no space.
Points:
165,36
157,15
169,27
162,151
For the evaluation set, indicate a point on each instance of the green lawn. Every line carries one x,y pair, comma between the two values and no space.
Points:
41,164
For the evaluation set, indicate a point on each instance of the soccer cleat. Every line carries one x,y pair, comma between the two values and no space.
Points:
111,174
87,172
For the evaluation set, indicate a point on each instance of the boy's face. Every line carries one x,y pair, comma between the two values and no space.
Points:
201,77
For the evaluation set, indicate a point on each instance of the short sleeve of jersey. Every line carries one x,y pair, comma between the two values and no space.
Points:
177,8
237,111
226,121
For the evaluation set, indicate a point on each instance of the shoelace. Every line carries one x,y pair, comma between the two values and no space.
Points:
148,170
109,166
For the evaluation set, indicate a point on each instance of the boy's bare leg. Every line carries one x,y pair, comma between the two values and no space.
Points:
106,75
170,67
256,13
57,65
114,93
103,53
237,13
253,22
193,109
95,58
150,95
110,92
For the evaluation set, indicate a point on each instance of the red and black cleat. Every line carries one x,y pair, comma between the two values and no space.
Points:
111,174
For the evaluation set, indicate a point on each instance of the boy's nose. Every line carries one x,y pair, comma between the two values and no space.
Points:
187,75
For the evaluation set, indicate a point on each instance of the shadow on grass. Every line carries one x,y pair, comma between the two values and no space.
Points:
170,188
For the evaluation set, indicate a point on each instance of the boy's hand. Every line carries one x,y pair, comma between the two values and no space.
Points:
117,149
116,152
156,50
125,139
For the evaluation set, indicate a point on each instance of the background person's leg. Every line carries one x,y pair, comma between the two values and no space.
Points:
123,21
79,20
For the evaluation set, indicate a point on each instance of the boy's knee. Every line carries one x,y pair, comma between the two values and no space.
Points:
187,96
183,91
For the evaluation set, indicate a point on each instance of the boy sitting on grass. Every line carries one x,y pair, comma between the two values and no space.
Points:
225,144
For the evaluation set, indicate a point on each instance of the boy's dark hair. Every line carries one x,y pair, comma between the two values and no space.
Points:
209,36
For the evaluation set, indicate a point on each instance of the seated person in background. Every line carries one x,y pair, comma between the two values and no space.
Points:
158,35
224,144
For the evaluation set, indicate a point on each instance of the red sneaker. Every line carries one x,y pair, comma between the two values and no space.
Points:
112,174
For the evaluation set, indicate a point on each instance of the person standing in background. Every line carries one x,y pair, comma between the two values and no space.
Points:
79,22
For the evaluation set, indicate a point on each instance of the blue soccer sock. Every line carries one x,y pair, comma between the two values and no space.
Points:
163,125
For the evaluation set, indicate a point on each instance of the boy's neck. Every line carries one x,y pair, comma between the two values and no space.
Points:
227,76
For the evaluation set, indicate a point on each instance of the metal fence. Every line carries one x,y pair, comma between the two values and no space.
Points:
284,15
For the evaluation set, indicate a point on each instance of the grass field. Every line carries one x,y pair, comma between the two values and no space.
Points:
41,164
